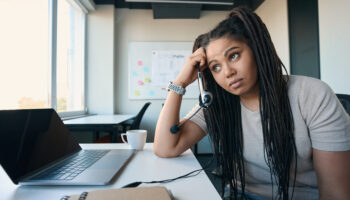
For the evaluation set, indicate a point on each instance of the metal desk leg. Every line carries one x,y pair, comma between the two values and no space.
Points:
196,149
114,136
96,135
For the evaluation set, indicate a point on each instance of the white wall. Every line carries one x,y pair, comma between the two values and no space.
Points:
334,20
139,25
274,13
100,60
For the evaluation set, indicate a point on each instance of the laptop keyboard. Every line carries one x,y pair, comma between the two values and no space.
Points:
71,168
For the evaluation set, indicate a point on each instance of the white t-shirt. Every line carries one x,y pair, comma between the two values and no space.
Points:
320,122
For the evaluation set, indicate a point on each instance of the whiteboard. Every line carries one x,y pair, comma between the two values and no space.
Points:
151,65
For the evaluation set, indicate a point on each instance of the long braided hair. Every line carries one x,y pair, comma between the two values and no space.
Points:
225,128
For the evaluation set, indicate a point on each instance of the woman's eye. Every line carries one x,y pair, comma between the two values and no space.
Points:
215,68
234,56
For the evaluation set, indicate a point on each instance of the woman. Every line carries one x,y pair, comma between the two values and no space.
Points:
275,136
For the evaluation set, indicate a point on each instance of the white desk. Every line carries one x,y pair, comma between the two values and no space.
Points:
99,119
98,123
144,166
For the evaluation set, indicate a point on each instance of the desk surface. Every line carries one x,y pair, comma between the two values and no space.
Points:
144,166
99,119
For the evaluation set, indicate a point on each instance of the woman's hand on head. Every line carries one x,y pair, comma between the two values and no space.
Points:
189,71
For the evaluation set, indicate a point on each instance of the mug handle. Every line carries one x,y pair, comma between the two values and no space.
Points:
122,136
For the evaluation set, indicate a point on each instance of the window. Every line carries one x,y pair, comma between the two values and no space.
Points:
42,55
24,54
70,57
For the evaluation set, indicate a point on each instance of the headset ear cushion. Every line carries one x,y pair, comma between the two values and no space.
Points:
208,98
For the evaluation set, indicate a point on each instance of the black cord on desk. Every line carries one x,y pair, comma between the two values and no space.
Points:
190,174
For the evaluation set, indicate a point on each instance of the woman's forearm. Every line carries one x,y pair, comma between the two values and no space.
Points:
164,141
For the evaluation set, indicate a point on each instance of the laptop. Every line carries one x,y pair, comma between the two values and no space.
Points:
36,148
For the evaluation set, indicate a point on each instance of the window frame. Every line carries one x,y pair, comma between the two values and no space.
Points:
52,53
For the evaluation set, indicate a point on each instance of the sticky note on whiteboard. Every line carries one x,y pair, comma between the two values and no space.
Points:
139,82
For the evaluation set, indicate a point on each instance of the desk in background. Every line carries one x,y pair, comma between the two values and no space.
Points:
143,166
98,123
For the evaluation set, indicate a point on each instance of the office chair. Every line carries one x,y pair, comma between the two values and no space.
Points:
135,122
345,101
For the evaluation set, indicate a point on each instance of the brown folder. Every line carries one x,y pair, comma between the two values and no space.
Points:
144,193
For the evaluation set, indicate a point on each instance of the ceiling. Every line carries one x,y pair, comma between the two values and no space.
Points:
179,9
253,4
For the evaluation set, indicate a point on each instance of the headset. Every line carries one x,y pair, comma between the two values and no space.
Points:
205,100
205,97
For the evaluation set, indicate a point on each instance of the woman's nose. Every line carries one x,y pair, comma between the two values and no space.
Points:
229,71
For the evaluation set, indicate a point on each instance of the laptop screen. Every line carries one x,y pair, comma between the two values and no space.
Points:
31,139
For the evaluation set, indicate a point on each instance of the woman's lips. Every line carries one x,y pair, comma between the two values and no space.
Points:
236,83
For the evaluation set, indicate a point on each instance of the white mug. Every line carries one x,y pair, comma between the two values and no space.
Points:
136,138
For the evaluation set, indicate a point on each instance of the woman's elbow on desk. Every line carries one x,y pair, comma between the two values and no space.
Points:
164,153
166,147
